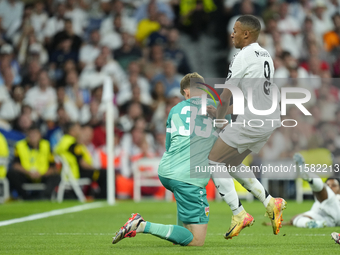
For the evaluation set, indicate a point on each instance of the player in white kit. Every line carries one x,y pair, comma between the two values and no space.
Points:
251,68
325,211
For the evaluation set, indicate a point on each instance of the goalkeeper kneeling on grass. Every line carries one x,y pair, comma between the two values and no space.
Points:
186,147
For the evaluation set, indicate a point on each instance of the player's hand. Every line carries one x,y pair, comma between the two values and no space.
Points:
211,110
34,175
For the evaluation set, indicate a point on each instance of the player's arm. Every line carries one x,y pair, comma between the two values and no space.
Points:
222,109
230,109
77,150
236,72
212,110
168,132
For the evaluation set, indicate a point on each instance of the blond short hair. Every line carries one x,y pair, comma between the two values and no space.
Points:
185,82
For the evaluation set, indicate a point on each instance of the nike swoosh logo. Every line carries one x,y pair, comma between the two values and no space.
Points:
230,230
168,234
273,217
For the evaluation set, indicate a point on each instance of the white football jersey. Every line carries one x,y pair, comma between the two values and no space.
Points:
252,67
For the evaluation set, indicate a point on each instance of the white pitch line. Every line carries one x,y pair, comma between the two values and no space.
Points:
38,216
260,234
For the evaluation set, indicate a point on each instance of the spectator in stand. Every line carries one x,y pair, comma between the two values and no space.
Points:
101,156
4,156
77,15
136,98
7,76
308,38
11,108
294,81
90,51
33,162
56,128
160,143
31,77
11,12
169,77
282,73
142,11
68,104
8,60
86,139
127,121
287,23
105,6
332,38
114,70
128,52
148,25
93,114
195,16
24,122
327,102
39,19
136,145
94,75
99,134
67,32
158,107
30,49
128,23
54,24
60,56
42,95
155,65
300,10
135,79
79,158
321,22
173,52
74,92
22,30
113,38
160,36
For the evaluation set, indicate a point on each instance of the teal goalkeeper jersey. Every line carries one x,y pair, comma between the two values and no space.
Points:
189,139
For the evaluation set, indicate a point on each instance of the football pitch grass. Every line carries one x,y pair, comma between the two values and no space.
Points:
91,231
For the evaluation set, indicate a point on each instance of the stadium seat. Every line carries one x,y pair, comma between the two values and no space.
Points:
69,182
4,190
33,186
145,175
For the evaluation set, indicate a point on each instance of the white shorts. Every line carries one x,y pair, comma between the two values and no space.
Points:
328,210
234,137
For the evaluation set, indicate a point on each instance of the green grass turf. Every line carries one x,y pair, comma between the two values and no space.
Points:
91,231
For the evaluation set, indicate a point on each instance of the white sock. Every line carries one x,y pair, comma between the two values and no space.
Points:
141,227
252,185
266,201
316,184
301,221
226,188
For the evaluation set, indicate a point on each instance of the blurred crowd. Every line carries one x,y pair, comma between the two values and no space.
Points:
56,54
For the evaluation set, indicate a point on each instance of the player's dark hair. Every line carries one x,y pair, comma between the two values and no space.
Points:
333,178
68,126
250,21
285,54
337,14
